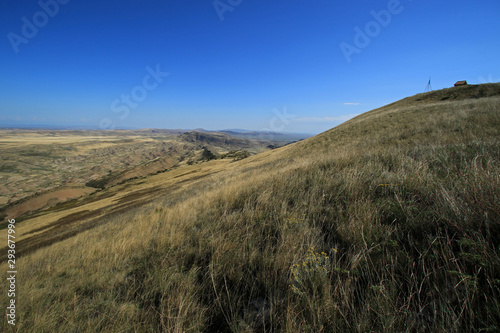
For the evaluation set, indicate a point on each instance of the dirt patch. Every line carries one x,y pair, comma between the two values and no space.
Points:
46,200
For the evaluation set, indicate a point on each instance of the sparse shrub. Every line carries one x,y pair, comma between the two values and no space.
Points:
240,155
294,221
207,155
310,276
97,183
237,155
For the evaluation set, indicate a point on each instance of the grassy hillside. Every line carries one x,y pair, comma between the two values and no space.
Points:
389,222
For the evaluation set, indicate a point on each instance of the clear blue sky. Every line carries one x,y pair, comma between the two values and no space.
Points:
250,64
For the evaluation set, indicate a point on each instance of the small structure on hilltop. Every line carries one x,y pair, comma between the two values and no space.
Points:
428,87
461,83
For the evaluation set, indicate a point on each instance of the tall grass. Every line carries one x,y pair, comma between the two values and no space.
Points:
389,222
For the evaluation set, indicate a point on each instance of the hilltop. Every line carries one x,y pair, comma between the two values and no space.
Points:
388,222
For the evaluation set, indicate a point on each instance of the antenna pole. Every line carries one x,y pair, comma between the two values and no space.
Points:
429,87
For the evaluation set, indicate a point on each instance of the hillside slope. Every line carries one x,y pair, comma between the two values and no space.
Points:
42,168
389,222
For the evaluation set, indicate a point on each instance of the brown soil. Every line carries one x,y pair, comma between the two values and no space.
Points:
47,199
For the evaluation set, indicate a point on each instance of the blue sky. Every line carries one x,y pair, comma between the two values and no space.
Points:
285,65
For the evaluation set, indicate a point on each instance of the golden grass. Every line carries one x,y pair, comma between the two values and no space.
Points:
403,201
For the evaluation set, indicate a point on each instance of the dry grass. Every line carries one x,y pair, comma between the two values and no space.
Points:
389,222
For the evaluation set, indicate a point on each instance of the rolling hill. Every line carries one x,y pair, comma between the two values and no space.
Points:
42,168
389,222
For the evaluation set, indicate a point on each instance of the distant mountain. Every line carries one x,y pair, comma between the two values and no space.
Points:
238,130
271,136
277,137
216,138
